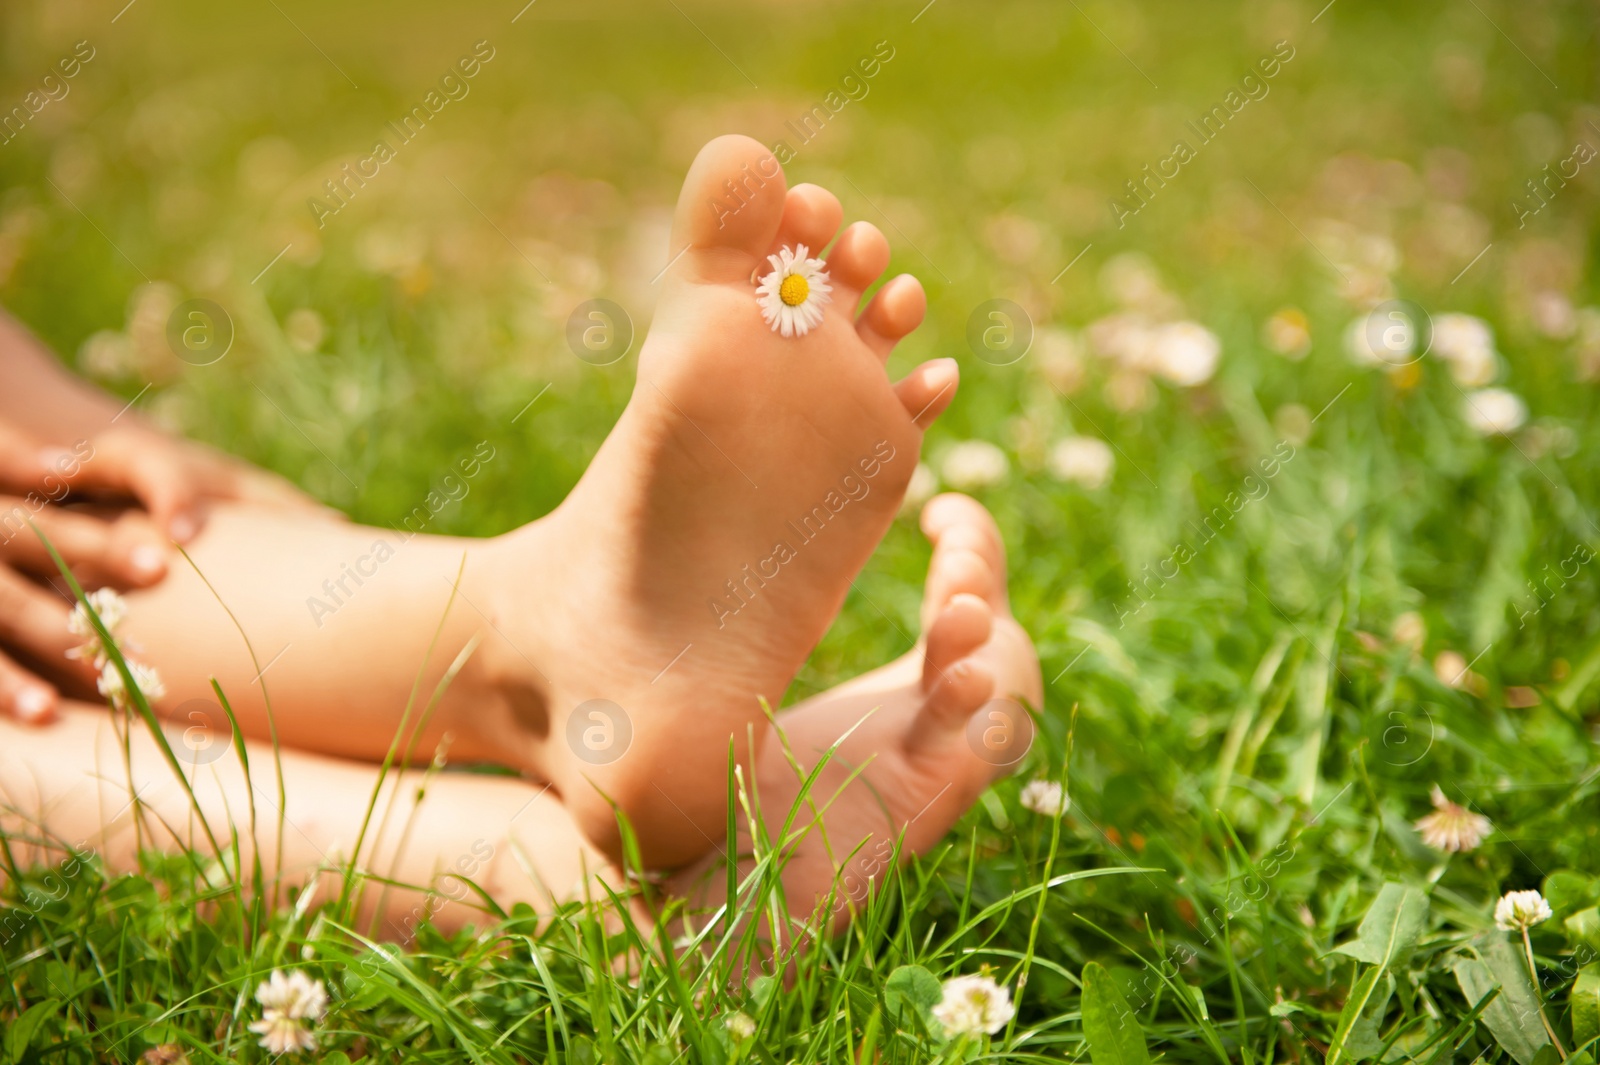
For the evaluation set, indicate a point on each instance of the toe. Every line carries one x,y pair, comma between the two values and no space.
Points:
896,310
954,572
811,216
857,260
926,391
961,628
942,719
729,210
958,523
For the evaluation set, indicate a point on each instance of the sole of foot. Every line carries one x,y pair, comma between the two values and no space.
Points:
715,536
906,749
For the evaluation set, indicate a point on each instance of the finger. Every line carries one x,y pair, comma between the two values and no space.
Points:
24,696
25,464
128,551
33,618
148,469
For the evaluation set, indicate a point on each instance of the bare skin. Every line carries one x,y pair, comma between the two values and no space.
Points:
63,442
911,721
917,740
686,578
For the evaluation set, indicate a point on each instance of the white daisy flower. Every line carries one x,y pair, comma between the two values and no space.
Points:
1045,797
1518,911
793,294
1494,412
974,464
148,680
288,1002
973,1004
1082,460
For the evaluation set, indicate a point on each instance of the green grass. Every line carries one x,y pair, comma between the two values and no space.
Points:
1252,733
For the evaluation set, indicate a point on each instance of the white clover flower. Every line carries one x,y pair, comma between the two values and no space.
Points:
111,607
148,680
1132,280
973,1004
741,1025
1467,346
1518,911
793,294
1082,460
1553,315
1125,339
282,1034
289,1001
1059,357
1452,827
1457,336
1045,797
974,464
1475,369
1494,412
1376,341
1185,353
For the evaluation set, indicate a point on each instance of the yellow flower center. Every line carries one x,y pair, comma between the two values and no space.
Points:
794,290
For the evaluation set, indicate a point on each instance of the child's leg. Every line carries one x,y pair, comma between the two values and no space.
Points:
927,732
630,634
918,739
66,786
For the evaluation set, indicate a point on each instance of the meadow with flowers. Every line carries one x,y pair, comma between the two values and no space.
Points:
1294,470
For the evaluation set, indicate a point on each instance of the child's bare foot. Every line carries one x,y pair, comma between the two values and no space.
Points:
930,730
713,539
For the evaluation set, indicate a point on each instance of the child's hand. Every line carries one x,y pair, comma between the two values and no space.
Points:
173,479
125,551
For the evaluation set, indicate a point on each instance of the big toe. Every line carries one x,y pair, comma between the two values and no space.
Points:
961,628
731,206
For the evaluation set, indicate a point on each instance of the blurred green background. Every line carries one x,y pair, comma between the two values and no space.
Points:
1384,159
1399,607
